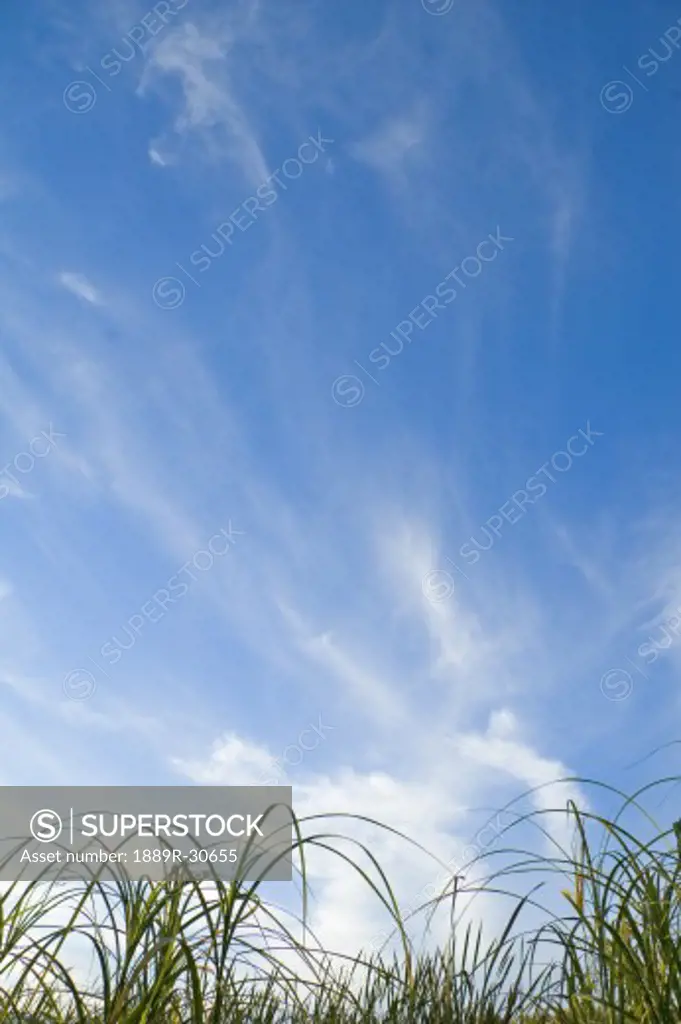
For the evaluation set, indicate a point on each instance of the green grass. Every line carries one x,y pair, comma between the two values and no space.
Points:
603,946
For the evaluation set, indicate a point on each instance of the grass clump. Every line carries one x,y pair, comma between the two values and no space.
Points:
603,946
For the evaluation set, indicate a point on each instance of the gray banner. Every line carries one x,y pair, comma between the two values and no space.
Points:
154,832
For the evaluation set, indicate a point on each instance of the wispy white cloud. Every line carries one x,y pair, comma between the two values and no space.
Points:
79,285
158,158
500,747
389,148
210,109
231,757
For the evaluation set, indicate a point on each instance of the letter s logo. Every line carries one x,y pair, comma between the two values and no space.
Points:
46,826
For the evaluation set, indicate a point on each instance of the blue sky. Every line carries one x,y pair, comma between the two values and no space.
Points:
387,146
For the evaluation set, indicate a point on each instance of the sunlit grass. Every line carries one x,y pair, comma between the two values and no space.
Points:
603,947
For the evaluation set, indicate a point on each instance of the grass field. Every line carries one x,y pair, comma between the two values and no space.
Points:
163,953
